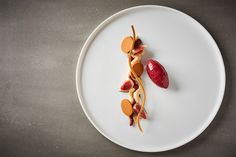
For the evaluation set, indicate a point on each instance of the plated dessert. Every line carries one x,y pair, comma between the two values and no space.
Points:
133,107
176,115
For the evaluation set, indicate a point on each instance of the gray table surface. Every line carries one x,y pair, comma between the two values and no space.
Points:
40,114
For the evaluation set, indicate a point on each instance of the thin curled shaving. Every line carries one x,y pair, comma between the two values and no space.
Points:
144,93
134,34
139,82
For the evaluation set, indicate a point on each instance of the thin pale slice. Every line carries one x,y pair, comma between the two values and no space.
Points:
131,95
138,51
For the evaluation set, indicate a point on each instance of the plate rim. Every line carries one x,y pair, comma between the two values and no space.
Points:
83,52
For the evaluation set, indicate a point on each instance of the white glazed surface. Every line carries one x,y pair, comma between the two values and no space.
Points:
177,114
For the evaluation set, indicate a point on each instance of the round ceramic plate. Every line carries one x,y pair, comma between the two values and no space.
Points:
175,115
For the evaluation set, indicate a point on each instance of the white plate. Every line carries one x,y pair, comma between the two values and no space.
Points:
176,115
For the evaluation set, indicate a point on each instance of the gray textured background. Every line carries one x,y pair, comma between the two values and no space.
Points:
40,114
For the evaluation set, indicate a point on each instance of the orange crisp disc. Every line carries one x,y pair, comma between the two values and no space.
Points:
127,44
138,68
126,107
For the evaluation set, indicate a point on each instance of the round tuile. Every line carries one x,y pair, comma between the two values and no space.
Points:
138,68
127,44
126,107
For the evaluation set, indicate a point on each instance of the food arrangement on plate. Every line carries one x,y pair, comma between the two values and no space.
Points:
175,40
133,107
